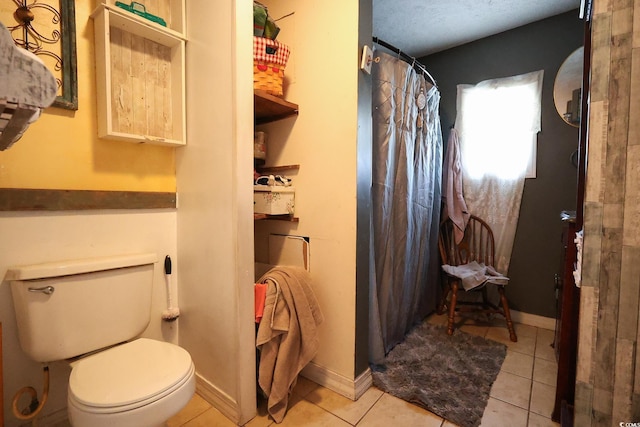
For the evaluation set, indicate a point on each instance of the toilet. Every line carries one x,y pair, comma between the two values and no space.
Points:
91,312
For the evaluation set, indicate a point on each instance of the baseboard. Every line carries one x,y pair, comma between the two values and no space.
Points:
347,387
364,381
218,399
533,320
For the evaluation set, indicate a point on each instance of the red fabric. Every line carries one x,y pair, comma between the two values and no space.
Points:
280,57
260,293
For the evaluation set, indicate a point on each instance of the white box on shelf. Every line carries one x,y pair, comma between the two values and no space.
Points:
273,200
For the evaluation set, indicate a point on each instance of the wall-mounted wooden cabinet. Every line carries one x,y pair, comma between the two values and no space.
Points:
140,75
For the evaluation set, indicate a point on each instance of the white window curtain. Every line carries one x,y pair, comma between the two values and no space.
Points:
497,122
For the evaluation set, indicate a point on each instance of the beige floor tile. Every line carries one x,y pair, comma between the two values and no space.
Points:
502,414
262,418
260,421
542,399
545,371
304,386
544,342
347,409
526,343
295,398
518,364
196,406
479,330
391,411
525,330
306,414
437,319
210,417
512,389
536,420
499,321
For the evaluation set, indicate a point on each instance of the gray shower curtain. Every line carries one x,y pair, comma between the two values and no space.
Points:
406,186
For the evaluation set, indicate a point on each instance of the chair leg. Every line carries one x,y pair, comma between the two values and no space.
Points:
485,298
443,301
486,305
452,306
507,314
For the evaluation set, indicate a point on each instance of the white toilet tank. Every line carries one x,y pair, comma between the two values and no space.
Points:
68,308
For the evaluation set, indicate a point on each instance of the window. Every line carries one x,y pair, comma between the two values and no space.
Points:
498,121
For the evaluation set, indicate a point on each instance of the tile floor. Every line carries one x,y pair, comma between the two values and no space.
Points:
522,395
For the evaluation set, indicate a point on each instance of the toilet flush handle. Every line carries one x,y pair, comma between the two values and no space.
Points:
45,290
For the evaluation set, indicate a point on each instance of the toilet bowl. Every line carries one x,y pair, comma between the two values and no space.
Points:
140,383
93,312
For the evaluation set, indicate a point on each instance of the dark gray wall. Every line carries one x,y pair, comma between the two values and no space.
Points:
544,45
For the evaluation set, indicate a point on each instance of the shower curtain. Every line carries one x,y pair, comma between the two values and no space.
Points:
405,212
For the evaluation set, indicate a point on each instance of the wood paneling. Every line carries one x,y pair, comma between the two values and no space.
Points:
608,382
15,199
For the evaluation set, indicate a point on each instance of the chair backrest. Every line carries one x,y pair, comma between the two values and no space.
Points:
476,245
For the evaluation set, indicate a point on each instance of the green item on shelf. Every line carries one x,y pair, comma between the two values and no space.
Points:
259,19
140,10
263,24
271,29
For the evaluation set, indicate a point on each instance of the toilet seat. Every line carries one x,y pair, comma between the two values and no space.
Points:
129,376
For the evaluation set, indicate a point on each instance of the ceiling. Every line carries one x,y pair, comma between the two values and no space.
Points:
422,27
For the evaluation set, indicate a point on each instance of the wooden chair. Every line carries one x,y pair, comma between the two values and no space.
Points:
477,245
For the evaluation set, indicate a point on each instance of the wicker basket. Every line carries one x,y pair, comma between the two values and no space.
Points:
269,61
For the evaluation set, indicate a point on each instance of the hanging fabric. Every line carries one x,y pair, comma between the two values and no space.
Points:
498,121
454,206
406,189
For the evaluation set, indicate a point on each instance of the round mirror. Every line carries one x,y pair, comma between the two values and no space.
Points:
567,89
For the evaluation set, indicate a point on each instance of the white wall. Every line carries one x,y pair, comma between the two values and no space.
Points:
28,238
321,77
215,206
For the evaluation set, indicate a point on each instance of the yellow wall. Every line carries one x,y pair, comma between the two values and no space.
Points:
62,150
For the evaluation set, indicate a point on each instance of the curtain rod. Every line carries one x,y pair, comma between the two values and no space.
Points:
414,62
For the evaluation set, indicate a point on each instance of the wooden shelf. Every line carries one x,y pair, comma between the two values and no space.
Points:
289,218
276,169
269,108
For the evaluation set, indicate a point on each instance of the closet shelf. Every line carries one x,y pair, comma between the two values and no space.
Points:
289,218
269,108
276,169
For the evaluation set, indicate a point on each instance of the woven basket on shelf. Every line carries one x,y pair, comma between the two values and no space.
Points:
269,61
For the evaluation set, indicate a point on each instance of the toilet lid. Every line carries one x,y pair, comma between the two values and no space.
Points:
128,373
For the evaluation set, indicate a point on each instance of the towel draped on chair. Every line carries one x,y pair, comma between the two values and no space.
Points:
474,275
